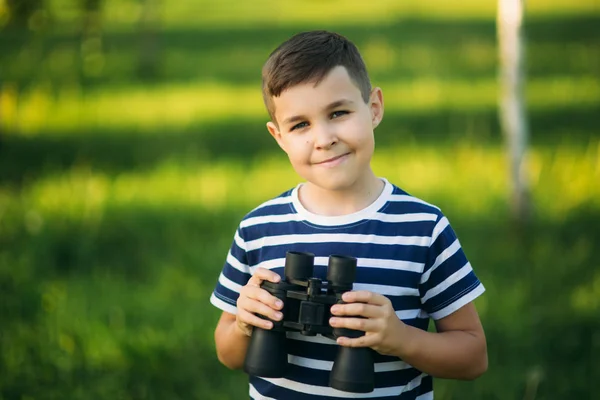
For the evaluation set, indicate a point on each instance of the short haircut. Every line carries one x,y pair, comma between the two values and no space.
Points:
308,57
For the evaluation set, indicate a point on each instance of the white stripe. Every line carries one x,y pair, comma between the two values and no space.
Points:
444,255
269,219
313,339
426,396
269,264
328,391
411,314
229,284
328,365
339,237
391,264
391,366
414,217
257,396
449,309
217,302
410,199
439,228
446,283
280,262
310,363
235,263
239,241
387,290
361,262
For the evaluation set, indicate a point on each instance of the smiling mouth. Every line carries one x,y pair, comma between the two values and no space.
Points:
330,160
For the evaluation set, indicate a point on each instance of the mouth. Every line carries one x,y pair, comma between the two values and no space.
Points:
333,160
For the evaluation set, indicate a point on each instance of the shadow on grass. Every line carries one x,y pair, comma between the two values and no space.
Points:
420,47
24,159
155,268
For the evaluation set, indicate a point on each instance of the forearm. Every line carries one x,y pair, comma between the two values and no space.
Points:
452,354
231,344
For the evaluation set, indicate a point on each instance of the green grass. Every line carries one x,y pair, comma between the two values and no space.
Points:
120,189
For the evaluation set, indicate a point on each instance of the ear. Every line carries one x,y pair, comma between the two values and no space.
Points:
274,131
376,106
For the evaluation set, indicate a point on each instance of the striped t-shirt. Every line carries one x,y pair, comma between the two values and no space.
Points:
405,250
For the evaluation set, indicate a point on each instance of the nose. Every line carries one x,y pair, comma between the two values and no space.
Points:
325,136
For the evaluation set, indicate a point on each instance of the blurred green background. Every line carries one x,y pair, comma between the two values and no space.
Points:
132,141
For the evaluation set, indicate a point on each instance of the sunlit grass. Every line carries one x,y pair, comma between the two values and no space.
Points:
177,106
466,179
229,13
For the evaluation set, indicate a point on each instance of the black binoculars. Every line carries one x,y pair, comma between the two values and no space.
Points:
306,310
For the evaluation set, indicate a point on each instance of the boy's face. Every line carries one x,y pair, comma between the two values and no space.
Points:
327,130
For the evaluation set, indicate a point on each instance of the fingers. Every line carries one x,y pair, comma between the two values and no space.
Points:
255,300
364,296
260,295
357,324
363,341
246,318
357,309
259,301
263,274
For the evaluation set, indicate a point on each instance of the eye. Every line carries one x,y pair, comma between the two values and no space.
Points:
299,126
337,114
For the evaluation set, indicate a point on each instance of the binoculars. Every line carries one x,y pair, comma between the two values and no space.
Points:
306,309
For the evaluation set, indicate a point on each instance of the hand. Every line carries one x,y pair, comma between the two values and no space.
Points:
255,300
383,329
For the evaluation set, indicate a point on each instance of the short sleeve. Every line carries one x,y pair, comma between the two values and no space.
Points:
234,275
448,281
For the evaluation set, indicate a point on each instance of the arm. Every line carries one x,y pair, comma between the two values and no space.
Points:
457,351
230,341
232,334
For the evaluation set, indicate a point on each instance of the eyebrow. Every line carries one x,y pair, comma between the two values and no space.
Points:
335,104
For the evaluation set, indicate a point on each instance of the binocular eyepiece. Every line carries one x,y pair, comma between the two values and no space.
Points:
306,310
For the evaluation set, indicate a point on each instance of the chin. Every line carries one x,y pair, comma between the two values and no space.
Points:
334,184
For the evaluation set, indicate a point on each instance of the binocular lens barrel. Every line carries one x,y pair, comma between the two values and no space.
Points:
341,270
353,370
298,265
267,354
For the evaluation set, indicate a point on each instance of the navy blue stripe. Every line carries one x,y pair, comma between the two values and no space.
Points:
266,389
381,276
408,207
358,250
441,243
238,253
236,275
448,296
225,294
316,351
397,190
421,323
408,228
321,377
400,303
445,269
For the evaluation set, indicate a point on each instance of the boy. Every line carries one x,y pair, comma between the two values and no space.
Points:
410,264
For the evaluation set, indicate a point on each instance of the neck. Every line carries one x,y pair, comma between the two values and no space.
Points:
345,201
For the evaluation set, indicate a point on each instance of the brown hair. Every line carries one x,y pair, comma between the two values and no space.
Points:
308,57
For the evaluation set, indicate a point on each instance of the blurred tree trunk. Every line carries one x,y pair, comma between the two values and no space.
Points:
513,118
